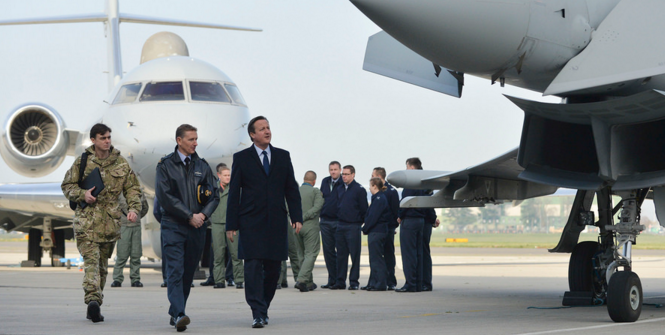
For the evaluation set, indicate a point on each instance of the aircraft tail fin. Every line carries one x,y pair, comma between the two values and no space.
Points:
388,57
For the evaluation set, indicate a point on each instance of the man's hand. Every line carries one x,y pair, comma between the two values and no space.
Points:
197,220
88,196
437,223
131,216
297,226
230,234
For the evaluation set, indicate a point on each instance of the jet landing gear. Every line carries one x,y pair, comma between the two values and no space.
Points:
593,272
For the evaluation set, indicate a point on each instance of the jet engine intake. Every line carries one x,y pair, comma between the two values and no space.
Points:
34,140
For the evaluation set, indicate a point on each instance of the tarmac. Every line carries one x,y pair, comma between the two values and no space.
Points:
476,291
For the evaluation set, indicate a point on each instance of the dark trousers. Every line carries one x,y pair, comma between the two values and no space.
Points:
347,240
377,264
427,256
328,231
389,256
411,244
261,277
183,245
161,241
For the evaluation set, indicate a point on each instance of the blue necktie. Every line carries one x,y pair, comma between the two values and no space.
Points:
266,163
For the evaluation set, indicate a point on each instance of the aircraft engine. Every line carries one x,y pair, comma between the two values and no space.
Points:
34,140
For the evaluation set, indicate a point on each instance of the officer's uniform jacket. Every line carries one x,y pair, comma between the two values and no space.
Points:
100,221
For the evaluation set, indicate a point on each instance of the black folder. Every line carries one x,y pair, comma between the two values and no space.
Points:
94,179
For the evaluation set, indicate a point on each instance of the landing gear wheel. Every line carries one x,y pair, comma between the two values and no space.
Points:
580,268
624,297
34,249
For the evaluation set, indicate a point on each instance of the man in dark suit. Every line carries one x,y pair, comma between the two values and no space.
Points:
261,178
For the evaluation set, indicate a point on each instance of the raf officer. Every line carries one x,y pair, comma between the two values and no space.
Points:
180,176
328,221
392,197
308,241
261,179
129,245
351,209
97,226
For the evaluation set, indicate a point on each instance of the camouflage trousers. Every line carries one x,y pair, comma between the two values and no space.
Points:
95,264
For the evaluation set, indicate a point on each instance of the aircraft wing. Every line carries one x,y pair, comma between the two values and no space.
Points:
388,57
494,181
22,205
630,34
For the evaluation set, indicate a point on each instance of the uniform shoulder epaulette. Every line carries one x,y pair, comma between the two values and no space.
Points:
164,157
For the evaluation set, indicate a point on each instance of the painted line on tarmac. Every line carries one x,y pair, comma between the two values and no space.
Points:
592,327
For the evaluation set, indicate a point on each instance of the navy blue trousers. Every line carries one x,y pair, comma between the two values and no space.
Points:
183,246
377,264
261,276
328,231
411,244
427,255
389,256
348,244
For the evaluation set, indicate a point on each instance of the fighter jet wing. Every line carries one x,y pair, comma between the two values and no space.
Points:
494,181
20,204
630,34
388,57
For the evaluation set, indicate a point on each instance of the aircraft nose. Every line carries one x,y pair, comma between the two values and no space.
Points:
466,36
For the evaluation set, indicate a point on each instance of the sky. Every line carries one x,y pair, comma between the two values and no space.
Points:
303,72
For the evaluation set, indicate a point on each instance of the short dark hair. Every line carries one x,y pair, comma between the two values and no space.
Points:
250,126
350,167
221,167
310,175
335,163
182,129
415,162
100,129
381,172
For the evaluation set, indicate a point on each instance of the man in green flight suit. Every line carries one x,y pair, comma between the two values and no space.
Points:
129,246
219,239
308,240
97,226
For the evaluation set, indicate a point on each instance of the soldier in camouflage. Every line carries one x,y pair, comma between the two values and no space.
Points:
97,227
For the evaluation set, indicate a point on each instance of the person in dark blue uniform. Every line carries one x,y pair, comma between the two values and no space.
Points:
430,222
376,227
351,210
389,247
183,217
412,221
157,212
328,222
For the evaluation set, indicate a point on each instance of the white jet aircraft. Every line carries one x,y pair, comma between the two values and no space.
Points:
602,57
143,109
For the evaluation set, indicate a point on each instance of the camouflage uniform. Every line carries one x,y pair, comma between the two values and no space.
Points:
97,227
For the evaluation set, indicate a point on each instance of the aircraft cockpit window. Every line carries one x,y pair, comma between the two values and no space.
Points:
235,94
212,92
127,93
164,91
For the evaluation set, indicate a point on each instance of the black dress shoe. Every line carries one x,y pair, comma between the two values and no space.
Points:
353,288
137,284
181,323
391,287
337,287
192,284
230,283
265,320
302,287
405,289
94,312
364,288
163,284
327,286
240,285
172,321
285,284
257,323
375,289
219,285
427,289
116,283
208,283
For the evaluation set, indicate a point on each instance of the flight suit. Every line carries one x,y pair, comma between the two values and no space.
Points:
308,240
129,246
220,244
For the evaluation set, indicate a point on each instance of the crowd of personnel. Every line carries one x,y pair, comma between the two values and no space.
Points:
255,216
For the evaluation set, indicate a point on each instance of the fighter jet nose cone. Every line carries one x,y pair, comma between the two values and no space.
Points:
397,178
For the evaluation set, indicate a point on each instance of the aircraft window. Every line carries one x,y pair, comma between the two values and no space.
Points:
235,94
213,92
127,93
164,91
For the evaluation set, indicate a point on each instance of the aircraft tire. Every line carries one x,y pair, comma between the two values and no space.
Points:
34,249
624,297
580,267
58,250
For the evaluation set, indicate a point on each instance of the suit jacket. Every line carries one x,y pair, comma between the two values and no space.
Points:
256,204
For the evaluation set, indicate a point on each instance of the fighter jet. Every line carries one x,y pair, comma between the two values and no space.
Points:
143,108
605,138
